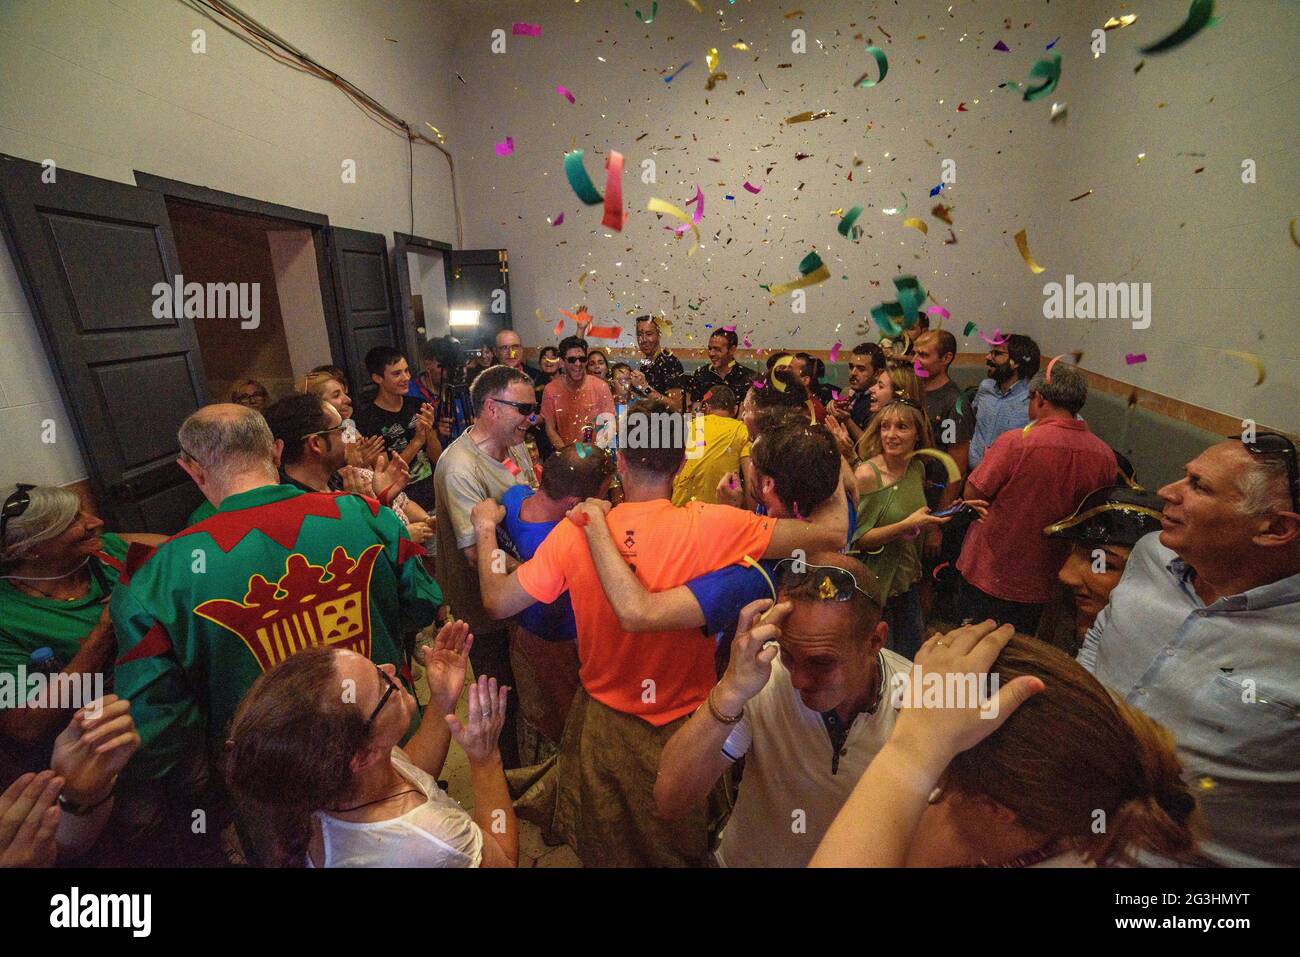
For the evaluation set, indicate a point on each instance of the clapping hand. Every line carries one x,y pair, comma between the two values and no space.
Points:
391,476
367,450
29,818
94,748
444,665
487,715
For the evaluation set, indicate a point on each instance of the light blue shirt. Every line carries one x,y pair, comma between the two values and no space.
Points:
997,412
1225,680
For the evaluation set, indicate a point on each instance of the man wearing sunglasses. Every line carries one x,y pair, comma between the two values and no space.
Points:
1203,634
275,569
488,459
573,399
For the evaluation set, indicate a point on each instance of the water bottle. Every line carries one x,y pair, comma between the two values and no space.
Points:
43,661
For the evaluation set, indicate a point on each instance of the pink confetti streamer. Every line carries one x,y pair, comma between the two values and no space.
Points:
835,351
506,146
696,215
939,311
1133,358
558,219
526,29
752,188
997,340
916,367
566,94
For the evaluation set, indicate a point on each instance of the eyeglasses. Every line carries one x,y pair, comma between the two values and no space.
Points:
526,409
1272,443
573,359
333,428
14,506
248,398
833,583
388,693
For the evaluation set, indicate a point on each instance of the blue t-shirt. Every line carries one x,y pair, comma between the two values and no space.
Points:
553,622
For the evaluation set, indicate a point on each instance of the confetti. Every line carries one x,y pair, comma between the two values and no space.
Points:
1022,243
1057,359
750,187
1052,44
1254,360
849,219
895,210
961,107
835,351
997,340
526,29
566,94
938,568
506,146
812,271
1058,111
1294,238
1080,196
954,473
940,312
916,223
1049,70
970,327
1002,47
940,211
579,180
919,370
1134,358
604,332
936,190
558,219
807,116
656,205
1198,17
882,62
582,280
669,79
1119,23
654,11
614,216
777,366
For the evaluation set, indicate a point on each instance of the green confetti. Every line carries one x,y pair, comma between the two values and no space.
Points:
1198,18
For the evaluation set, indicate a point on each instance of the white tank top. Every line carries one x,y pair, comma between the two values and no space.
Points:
438,833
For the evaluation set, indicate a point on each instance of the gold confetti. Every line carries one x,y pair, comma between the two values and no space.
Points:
1119,23
1022,243
1254,360
1206,783
740,45
916,224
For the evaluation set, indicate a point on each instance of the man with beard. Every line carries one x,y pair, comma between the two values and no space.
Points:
661,371
1002,402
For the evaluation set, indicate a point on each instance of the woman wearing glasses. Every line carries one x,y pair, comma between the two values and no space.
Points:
1049,770
249,392
893,514
57,571
323,781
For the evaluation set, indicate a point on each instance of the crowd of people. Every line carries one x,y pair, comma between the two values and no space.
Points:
672,619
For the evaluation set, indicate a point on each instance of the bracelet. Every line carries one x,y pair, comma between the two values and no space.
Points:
81,810
718,715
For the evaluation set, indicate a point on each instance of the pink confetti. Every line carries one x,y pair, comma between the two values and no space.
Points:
835,351
752,188
558,219
939,311
758,384
997,340
729,328
1133,358
506,146
916,367
526,29
566,94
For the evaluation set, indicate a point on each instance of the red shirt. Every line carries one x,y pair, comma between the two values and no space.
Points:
656,675
1032,478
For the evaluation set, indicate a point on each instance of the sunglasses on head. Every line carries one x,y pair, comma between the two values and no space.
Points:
526,409
1273,443
832,582
14,506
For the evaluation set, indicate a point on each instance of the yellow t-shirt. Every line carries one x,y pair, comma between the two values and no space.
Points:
726,442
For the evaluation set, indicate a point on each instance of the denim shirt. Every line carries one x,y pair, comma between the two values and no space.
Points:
1225,680
997,412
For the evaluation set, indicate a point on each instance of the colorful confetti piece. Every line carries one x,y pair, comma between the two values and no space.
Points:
1198,18
1134,358
1022,243
563,91
526,29
882,62
506,146
750,187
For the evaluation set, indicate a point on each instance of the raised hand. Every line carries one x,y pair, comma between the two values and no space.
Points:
487,715
444,665
750,665
487,514
29,818
94,747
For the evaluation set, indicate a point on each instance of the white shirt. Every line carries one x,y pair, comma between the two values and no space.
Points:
788,795
438,833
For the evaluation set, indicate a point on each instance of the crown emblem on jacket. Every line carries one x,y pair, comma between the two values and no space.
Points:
309,605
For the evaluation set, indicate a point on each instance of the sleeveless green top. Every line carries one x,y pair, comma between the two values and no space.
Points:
896,564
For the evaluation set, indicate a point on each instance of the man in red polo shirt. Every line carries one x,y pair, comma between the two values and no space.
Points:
1008,566
638,688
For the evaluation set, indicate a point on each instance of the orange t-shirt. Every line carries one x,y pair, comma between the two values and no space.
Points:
666,546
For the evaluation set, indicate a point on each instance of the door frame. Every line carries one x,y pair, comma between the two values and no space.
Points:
318,223
402,244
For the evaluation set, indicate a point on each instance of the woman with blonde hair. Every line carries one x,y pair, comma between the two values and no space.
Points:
249,392
1046,769
893,514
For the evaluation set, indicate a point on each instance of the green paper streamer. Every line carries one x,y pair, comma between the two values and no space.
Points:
1050,71
882,314
882,61
811,263
579,180
910,296
970,327
849,218
1198,18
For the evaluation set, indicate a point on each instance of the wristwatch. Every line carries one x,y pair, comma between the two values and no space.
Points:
81,810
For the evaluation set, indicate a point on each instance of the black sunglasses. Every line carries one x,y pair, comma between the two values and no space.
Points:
14,506
572,359
388,693
523,408
1272,443
835,584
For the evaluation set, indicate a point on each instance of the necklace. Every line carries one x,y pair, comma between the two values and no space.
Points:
358,807
24,581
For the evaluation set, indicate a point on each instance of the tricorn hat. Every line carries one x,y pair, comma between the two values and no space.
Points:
1117,515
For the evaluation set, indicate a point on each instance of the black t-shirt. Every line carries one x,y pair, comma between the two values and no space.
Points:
397,430
860,410
941,406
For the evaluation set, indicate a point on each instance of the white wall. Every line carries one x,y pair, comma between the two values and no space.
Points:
1216,252
429,280
107,88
